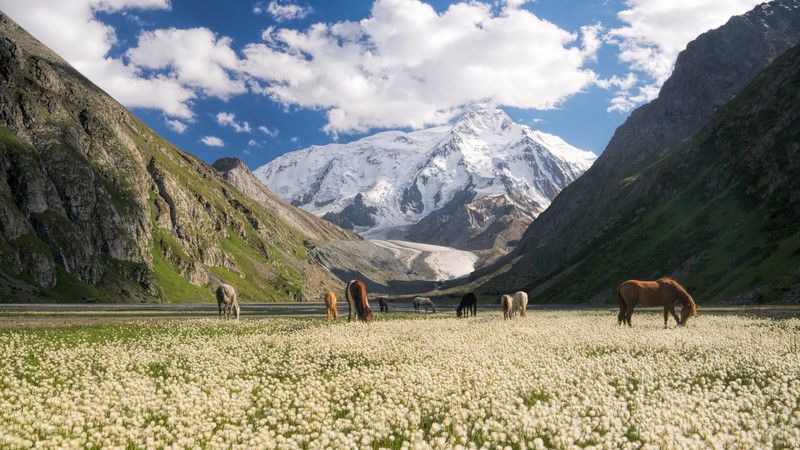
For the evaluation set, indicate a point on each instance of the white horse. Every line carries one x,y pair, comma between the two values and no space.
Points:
227,301
507,305
424,302
520,303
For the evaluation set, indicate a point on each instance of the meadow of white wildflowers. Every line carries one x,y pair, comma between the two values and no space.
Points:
555,379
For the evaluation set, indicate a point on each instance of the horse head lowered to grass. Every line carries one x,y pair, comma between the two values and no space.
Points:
227,301
330,305
469,304
356,294
663,292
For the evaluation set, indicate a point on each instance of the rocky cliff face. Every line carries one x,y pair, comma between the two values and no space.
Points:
708,74
95,206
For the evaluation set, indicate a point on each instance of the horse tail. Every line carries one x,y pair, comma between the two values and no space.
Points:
350,301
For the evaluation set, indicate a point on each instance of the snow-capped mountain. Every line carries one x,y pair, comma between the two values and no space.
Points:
385,184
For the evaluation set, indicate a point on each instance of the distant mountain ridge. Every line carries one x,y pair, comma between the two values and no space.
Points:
413,184
618,193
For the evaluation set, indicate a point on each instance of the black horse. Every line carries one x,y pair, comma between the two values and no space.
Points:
469,302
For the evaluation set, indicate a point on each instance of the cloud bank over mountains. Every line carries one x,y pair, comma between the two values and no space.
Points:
406,65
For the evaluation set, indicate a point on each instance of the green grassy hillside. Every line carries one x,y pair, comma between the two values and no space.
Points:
94,206
720,212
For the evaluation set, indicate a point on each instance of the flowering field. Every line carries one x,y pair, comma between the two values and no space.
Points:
555,379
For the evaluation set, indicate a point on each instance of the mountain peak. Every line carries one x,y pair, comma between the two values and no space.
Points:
403,177
227,163
483,120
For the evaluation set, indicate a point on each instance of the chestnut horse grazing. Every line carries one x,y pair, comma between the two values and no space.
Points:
662,292
227,302
330,305
356,294
469,302
520,303
507,304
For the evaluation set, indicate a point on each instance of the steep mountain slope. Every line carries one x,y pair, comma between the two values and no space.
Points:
423,185
235,172
712,69
95,206
721,212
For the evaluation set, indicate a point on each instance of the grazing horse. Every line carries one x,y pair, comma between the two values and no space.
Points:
227,301
469,302
330,305
383,303
424,302
520,303
507,304
356,294
662,292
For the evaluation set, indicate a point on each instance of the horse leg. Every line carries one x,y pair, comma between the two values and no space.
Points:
628,314
674,314
666,317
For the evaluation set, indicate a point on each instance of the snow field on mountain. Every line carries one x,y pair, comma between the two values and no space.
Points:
448,263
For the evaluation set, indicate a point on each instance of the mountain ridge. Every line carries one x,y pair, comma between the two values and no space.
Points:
712,70
387,184
96,207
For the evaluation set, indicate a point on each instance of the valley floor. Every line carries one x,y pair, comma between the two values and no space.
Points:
558,378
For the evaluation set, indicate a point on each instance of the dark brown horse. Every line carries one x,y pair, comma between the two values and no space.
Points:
469,303
662,292
356,294
383,303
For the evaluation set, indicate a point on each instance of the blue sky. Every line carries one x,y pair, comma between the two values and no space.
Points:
582,120
209,72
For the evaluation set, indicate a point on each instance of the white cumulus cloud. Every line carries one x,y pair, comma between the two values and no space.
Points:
655,31
229,120
212,141
268,131
282,11
176,125
196,57
72,30
409,66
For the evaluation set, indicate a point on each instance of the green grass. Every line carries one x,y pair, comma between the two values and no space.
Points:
727,245
175,288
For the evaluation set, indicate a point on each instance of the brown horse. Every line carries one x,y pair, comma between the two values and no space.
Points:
662,292
507,303
356,294
330,305
383,303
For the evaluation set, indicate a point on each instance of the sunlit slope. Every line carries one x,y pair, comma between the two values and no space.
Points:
96,207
